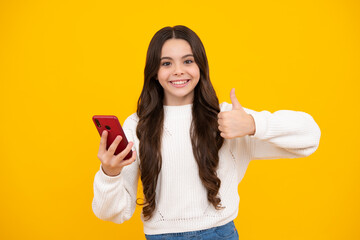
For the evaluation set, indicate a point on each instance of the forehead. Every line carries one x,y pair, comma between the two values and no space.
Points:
175,48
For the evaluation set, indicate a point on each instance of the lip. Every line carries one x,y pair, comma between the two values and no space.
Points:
179,85
177,80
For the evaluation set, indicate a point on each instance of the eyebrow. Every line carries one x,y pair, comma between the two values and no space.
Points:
185,56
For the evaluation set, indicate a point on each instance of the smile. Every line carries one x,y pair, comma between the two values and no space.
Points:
180,83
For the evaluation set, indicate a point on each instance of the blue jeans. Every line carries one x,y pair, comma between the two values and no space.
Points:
224,232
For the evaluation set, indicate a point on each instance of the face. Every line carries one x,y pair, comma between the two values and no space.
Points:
178,73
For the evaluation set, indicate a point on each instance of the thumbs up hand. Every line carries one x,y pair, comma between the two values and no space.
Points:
235,123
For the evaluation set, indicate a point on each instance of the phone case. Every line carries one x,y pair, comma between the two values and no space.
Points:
111,124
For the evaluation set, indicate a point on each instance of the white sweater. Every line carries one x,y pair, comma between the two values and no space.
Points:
181,198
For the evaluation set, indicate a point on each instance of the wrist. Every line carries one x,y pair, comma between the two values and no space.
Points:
110,173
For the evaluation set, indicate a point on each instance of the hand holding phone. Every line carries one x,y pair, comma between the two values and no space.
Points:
114,150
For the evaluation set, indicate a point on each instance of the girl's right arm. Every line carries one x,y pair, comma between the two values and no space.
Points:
115,184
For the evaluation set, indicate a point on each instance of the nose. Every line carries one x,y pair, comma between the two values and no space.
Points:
178,71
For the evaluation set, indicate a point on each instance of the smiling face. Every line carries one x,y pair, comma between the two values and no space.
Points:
178,73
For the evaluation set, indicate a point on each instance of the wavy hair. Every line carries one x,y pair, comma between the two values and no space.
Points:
205,136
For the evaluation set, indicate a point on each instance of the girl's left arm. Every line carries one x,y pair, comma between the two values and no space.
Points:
283,134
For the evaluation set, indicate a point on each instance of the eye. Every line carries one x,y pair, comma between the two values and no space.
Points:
189,61
165,64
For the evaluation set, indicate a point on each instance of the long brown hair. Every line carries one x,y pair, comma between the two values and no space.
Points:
205,136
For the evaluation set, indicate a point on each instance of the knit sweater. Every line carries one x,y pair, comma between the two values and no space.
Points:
181,198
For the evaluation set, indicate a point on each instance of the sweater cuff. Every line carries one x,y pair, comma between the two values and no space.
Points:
261,125
106,178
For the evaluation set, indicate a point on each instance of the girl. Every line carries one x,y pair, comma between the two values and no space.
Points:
193,152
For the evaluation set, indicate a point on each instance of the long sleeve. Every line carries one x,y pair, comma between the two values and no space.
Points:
115,197
283,134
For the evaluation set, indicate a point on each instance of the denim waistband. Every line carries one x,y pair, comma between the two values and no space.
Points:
227,231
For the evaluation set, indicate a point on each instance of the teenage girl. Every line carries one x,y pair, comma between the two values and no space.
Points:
191,152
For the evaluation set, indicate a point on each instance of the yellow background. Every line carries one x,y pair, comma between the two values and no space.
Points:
63,61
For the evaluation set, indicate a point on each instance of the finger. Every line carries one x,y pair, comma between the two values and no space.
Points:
220,121
222,115
129,161
114,145
124,152
103,141
235,103
227,135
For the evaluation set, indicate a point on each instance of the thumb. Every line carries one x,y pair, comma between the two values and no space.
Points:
235,103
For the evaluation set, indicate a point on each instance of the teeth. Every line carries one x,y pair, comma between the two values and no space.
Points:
179,82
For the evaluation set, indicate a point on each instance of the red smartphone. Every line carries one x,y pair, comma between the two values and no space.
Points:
111,124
